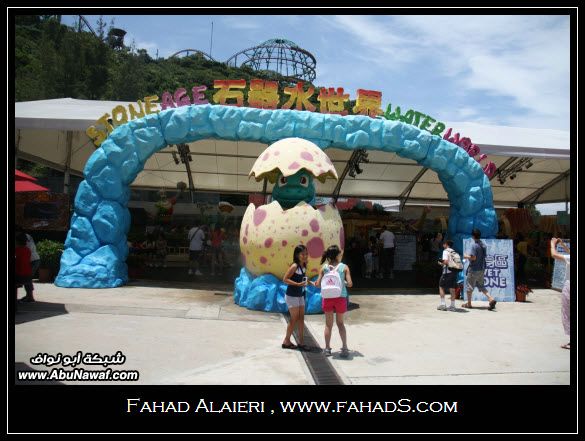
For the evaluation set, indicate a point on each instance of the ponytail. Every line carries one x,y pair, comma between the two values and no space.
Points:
330,254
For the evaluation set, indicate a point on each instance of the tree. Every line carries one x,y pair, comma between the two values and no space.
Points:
101,26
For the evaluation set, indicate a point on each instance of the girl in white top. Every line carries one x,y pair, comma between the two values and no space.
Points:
337,305
566,295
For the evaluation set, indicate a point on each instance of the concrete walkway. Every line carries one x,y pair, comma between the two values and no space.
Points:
174,334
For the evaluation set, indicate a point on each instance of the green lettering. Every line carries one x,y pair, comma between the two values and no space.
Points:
426,123
396,115
438,129
417,116
408,116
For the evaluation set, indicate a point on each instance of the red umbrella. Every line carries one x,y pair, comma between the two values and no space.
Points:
22,185
20,176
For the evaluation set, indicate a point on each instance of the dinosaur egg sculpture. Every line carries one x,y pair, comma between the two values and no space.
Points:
270,233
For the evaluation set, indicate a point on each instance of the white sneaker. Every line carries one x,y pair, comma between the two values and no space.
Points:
190,272
442,307
198,273
452,309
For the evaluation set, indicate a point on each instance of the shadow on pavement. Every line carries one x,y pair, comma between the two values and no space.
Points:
353,306
195,283
352,354
29,312
18,366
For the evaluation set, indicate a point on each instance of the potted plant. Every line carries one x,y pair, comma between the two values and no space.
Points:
521,292
50,255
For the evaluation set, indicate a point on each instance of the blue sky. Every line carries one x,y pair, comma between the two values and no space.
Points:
500,69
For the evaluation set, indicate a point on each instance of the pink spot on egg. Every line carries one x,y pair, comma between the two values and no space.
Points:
294,166
307,156
323,208
305,233
265,157
315,247
245,240
284,242
342,238
246,233
268,242
244,259
263,260
314,270
314,225
259,216
276,153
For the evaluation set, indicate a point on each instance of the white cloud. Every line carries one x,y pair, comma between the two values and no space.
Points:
523,58
241,22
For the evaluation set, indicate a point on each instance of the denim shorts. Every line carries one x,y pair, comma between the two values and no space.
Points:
294,302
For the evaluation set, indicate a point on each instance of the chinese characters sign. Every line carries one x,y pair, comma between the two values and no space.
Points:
499,272
261,95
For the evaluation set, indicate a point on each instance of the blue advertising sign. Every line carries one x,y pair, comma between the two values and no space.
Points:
558,277
499,272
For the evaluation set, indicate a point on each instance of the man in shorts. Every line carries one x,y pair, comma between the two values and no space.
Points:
448,278
476,270
196,238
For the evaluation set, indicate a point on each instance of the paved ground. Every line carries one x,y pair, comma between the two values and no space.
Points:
174,334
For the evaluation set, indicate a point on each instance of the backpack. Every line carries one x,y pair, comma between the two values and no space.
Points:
454,262
331,284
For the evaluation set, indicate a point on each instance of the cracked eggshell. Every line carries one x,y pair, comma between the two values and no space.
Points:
269,235
288,156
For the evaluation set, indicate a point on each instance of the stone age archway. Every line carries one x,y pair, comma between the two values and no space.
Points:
96,248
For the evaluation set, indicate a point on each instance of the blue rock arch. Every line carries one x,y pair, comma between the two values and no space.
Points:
96,249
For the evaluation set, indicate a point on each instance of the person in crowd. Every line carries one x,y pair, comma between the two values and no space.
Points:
448,278
354,255
476,270
425,248
296,279
161,250
522,250
217,254
436,246
196,239
389,242
545,255
566,293
35,260
379,256
334,279
149,249
23,269
371,258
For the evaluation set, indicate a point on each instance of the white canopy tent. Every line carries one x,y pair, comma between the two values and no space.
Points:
52,132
